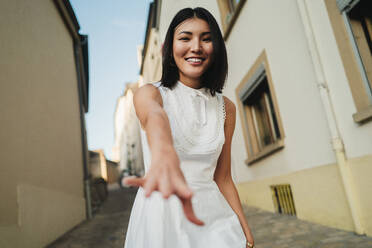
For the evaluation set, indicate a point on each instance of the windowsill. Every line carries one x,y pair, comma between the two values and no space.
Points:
228,28
363,116
270,149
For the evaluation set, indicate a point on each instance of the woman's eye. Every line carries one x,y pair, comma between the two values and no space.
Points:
207,39
184,38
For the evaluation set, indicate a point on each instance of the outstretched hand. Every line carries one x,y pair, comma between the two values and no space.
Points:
168,179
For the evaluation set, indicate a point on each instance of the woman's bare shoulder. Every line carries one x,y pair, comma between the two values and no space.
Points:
148,92
229,106
148,89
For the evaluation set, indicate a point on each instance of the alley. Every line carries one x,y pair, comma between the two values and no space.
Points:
107,229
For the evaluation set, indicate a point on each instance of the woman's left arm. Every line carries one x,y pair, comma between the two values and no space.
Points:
222,175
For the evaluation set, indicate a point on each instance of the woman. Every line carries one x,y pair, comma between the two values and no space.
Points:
189,127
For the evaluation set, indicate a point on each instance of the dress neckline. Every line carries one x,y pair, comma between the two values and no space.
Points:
204,92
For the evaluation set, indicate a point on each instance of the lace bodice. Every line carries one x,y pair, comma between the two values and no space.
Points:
197,123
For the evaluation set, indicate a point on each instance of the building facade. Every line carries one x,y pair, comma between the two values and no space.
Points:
300,76
128,148
43,99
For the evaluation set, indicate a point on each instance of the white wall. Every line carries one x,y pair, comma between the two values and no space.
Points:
276,27
119,126
357,138
130,134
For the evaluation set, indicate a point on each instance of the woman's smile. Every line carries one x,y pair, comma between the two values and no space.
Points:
195,60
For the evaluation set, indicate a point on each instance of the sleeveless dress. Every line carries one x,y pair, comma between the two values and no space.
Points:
197,124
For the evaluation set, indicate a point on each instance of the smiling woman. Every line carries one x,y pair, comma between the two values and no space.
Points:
192,50
194,34
187,128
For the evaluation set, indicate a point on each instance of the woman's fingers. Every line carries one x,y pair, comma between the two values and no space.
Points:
150,185
165,187
189,212
183,191
134,181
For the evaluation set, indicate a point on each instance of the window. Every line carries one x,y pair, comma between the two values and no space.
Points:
354,19
233,4
229,10
357,16
259,113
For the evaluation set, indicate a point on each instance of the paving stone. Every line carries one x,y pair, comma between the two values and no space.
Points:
108,228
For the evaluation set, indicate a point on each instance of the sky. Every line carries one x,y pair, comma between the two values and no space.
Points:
115,28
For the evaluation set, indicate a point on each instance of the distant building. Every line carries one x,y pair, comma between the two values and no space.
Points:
97,164
113,171
100,167
128,148
43,99
300,74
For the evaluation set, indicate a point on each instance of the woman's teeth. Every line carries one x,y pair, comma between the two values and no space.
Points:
194,60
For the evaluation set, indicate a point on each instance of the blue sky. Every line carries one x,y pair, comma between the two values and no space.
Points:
115,28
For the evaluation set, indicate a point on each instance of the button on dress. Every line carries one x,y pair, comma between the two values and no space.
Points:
197,124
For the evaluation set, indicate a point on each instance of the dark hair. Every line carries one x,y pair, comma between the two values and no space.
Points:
214,77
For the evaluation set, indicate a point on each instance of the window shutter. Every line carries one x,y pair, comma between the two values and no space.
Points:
346,5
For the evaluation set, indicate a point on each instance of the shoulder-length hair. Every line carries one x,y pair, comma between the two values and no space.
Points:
214,77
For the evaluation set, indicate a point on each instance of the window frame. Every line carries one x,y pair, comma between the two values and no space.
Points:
225,9
360,82
246,88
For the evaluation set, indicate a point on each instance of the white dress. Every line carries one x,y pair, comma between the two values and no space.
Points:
197,123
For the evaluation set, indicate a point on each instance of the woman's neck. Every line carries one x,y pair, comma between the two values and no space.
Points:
190,82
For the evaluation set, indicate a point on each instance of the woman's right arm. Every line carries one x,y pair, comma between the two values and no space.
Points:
164,174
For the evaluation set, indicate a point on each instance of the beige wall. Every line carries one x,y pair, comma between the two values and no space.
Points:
307,161
361,170
318,194
41,184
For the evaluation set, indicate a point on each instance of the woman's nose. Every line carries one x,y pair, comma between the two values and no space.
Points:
196,46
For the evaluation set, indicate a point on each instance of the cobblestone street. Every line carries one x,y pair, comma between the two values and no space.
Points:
107,229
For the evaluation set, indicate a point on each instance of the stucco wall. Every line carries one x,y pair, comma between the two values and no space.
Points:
357,138
307,160
40,136
260,26
361,170
318,195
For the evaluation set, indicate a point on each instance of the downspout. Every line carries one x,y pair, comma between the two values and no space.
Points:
336,140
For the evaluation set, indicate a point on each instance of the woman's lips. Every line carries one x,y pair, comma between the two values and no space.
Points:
194,61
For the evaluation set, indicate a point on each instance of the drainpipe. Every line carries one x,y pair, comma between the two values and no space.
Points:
336,140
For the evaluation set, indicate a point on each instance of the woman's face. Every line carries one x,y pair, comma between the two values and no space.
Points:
192,50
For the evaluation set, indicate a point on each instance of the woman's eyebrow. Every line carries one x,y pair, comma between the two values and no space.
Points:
185,32
190,33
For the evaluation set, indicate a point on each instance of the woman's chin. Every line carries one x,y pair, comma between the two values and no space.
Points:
193,74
